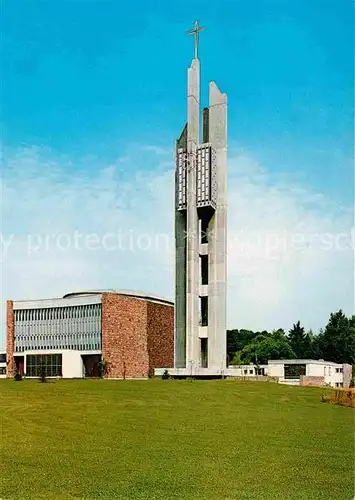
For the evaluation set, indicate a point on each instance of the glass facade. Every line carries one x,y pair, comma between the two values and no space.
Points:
69,327
50,363
294,371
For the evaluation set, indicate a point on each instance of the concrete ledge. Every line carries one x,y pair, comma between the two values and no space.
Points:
203,332
187,372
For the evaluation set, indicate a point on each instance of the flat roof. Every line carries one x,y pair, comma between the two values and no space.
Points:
128,293
301,362
85,297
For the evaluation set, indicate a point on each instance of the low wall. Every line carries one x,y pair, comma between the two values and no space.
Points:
255,378
312,381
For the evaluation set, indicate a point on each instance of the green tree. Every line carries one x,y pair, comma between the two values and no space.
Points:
314,345
263,348
232,342
338,340
297,339
237,359
311,346
237,340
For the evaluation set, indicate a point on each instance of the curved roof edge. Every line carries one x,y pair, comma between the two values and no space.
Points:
128,293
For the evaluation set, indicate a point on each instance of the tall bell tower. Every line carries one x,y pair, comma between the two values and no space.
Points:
201,230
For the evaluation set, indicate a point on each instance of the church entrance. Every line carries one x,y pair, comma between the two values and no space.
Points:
91,364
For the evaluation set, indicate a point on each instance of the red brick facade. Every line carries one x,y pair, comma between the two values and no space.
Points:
10,339
160,335
137,335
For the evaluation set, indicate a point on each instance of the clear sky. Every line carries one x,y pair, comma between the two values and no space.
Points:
93,96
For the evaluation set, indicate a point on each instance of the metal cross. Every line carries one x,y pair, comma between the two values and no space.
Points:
195,32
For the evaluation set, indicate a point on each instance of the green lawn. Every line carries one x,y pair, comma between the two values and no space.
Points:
155,439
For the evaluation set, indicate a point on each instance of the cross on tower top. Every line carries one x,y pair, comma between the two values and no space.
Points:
195,32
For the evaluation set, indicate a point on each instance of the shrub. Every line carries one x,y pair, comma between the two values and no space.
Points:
18,377
104,367
340,397
165,375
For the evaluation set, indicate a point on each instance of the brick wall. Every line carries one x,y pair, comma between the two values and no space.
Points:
124,336
10,339
312,381
160,335
137,335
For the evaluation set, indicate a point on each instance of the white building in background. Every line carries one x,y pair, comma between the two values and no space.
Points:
2,364
307,371
298,372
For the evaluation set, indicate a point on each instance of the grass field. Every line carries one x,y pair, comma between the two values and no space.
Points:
200,440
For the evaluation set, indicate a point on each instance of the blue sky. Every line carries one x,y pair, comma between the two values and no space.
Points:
85,75
90,84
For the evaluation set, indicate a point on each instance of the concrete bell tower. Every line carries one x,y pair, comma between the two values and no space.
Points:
201,231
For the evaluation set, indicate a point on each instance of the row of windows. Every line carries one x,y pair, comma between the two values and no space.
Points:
2,370
258,371
81,342
58,328
49,365
58,313
337,370
76,347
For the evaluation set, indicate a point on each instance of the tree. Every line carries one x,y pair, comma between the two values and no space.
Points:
311,346
237,359
232,343
237,340
263,348
338,340
297,339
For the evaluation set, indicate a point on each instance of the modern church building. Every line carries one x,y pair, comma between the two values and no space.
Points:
132,332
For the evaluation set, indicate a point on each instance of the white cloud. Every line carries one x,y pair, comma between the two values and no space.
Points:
286,259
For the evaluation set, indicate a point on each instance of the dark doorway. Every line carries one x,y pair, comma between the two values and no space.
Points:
91,364
20,364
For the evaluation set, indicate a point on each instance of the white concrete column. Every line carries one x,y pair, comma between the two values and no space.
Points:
217,247
193,132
